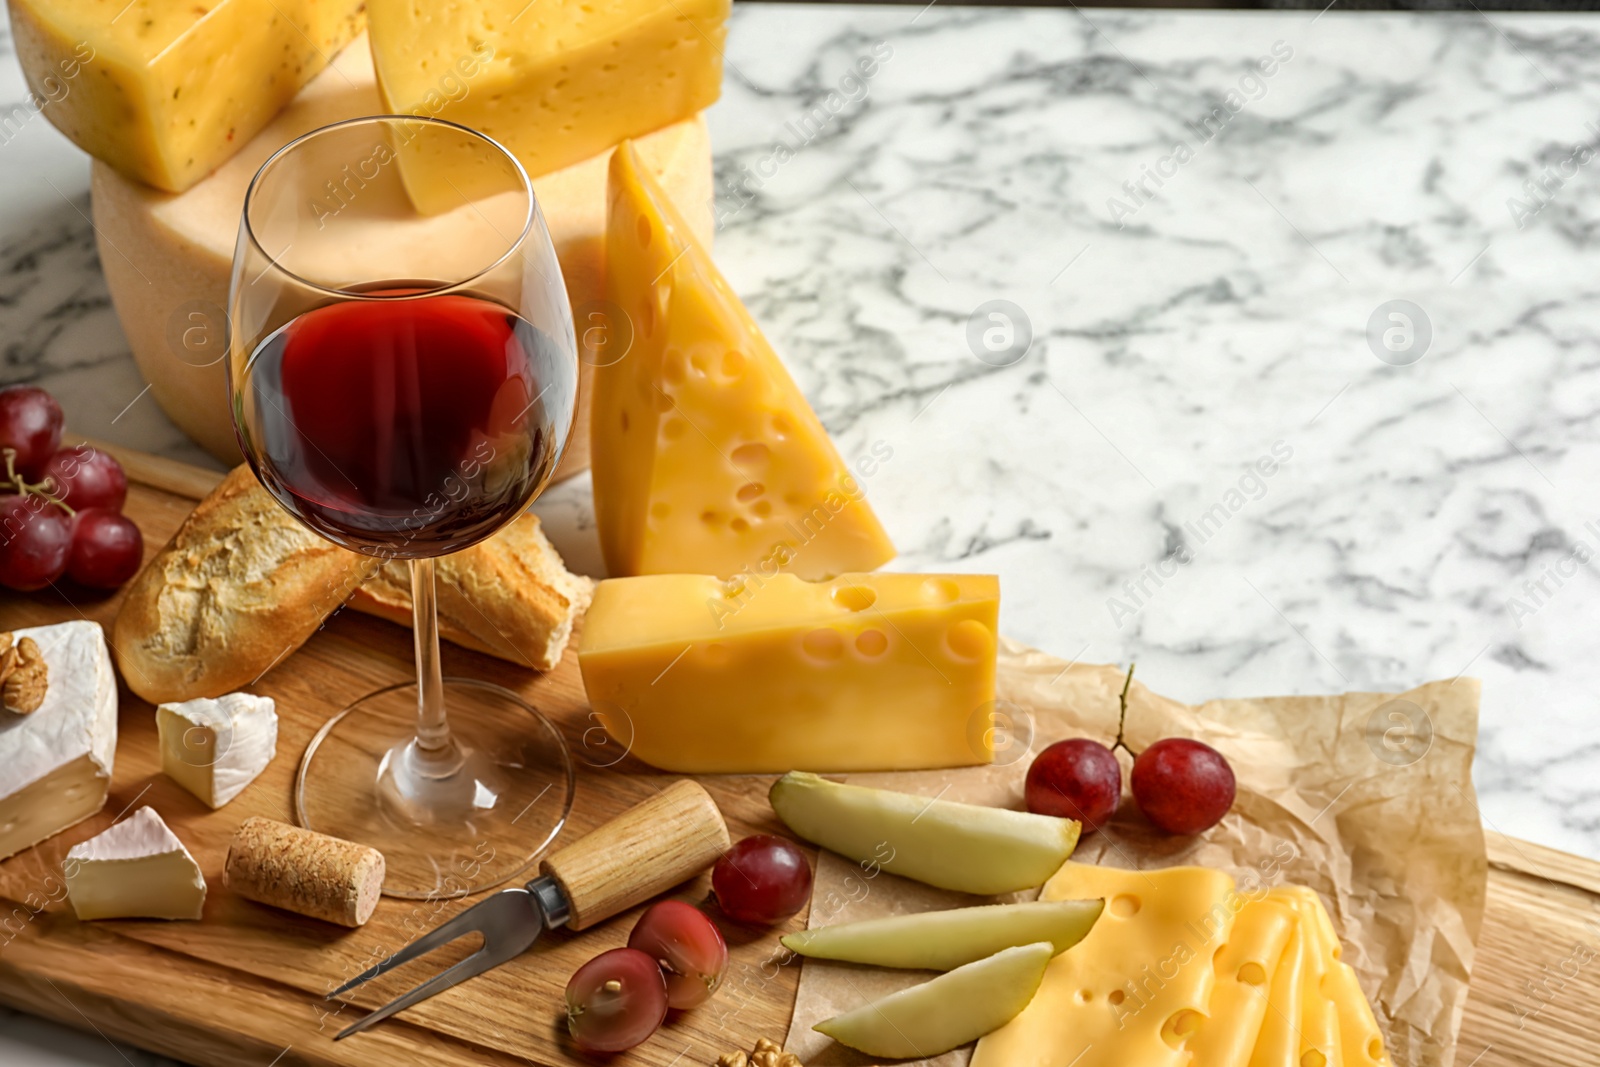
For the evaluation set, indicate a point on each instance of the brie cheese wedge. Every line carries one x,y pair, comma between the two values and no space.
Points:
214,748
55,764
138,869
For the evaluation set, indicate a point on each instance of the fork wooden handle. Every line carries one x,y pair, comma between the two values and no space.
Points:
651,847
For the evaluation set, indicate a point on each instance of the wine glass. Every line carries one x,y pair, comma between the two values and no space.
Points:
403,376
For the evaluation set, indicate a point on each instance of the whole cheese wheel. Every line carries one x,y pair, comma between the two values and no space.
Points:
167,257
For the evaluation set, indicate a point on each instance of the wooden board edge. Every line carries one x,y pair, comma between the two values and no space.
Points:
169,475
126,990
1539,861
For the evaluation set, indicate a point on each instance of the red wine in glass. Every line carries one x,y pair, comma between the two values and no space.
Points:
409,424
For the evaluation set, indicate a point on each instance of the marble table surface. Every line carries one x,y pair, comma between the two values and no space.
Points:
1197,227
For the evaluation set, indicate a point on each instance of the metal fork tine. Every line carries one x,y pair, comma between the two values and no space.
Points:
462,925
475,964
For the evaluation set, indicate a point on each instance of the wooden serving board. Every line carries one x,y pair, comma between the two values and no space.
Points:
245,985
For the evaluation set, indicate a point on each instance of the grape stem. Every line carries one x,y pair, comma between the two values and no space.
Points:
1122,715
45,489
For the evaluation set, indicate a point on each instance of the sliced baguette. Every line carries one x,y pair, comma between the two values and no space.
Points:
239,587
509,596
242,584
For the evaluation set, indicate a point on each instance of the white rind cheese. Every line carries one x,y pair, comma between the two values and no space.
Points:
214,748
138,869
55,764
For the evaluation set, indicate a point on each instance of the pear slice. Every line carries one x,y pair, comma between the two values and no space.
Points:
948,1011
942,940
964,847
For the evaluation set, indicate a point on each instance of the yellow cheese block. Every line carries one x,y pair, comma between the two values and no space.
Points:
707,459
564,79
1246,967
866,672
1360,1039
1279,1042
168,90
1135,992
1320,1044
167,258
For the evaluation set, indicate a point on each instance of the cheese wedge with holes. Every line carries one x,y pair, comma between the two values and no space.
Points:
706,457
56,763
1360,1040
866,672
1136,991
165,91
137,869
214,748
561,80
1246,966
167,258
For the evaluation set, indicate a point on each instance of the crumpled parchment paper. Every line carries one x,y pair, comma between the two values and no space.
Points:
1365,797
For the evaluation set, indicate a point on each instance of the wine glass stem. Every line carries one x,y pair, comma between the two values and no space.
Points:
433,729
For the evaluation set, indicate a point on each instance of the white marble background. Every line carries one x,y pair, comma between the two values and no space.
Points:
1227,314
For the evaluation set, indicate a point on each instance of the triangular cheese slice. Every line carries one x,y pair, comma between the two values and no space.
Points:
137,869
706,457
1136,990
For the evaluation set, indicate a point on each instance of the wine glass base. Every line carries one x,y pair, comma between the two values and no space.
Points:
448,823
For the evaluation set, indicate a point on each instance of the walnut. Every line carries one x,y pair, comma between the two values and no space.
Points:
24,678
732,1059
789,1059
764,1058
767,1045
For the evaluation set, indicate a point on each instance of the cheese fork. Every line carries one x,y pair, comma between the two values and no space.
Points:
649,848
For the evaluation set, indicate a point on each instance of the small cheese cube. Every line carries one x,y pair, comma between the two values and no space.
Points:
554,81
138,869
56,763
867,672
707,458
214,748
165,91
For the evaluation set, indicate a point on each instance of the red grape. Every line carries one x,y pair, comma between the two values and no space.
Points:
1182,786
30,422
35,539
1077,779
107,549
85,477
616,1000
687,945
762,879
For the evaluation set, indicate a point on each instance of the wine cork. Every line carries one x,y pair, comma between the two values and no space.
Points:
304,872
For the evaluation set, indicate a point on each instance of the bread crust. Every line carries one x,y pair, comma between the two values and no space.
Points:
510,596
240,586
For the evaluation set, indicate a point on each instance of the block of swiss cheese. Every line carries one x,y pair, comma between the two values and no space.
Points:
167,258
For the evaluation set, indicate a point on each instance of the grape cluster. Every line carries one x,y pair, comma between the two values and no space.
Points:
60,508
1181,785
